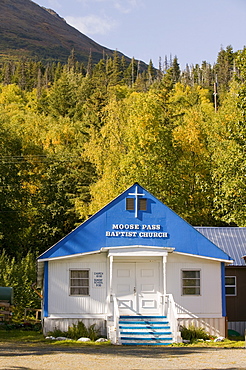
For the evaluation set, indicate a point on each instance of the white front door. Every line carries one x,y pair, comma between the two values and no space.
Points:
137,286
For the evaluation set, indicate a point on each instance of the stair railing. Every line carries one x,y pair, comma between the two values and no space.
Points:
171,313
116,319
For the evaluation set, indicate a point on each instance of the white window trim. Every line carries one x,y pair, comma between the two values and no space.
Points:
89,280
182,286
231,286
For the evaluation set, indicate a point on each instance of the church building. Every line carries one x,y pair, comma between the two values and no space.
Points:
138,271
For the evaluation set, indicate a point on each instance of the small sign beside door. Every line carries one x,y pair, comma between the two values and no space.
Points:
98,279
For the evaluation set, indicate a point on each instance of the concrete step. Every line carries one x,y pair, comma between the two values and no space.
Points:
143,322
145,330
146,334
149,327
142,317
146,344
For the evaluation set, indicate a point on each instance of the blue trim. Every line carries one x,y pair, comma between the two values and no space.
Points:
110,227
147,344
142,317
45,305
223,289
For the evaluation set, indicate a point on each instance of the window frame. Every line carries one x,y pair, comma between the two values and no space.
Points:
130,204
231,286
142,204
79,286
190,286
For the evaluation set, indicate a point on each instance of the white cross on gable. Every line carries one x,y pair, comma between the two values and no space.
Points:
136,195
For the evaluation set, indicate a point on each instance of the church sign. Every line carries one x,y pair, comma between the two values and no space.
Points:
98,279
136,230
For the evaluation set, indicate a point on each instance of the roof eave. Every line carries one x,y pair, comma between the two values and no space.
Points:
205,257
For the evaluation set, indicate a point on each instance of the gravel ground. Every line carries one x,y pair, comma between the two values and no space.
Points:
24,357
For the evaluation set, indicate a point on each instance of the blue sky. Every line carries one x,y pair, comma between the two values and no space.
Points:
192,30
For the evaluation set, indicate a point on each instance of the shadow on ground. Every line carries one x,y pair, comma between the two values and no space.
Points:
139,351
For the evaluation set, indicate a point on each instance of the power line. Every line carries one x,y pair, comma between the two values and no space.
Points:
8,159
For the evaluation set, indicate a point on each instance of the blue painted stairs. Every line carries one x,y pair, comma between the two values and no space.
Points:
145,330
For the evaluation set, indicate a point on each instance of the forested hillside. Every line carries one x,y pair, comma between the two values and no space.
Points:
74,137
31,31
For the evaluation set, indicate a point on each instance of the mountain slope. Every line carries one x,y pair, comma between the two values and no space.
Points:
28,30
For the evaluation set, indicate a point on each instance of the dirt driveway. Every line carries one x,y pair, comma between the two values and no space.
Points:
29,357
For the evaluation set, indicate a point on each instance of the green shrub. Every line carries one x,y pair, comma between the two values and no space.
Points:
77,331
80,330
20,274
93,333
57,333
193,333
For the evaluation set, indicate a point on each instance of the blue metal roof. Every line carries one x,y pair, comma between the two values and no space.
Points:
232,240
116,226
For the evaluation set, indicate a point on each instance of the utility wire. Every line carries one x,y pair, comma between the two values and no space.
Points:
8,159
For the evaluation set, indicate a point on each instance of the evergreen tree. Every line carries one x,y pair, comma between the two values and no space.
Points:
89,66
13,196
151,72
160,71
117,71
175,69
63,96
224,67
131,73
71,62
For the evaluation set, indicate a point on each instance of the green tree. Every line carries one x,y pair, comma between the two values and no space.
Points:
193,186
45,179
130,74
151,72
133,145
71,62
20,274
224,67
117,70
229,138
175,70
63,97
12,194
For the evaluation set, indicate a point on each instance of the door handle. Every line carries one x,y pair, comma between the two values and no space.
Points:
134,290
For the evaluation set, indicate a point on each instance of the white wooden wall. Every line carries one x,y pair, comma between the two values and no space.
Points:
60,303
50,324
204,310
213,326
209,303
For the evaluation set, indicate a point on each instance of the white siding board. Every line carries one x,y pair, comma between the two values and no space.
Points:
60,302
204,310
213,326
209,303
63,324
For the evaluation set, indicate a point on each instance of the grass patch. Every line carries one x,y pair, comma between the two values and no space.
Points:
226,343
32,338
74,343
77,331
193,333
21,335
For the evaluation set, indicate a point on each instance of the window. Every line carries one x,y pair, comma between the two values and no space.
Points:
230,285
79,282
191,282
143,204
130,204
